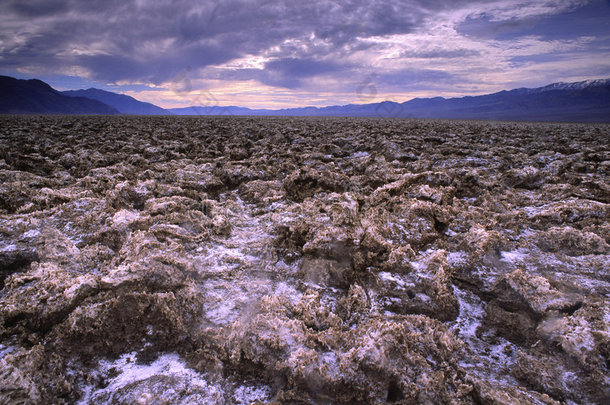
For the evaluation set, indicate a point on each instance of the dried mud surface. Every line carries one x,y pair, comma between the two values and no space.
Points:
303,261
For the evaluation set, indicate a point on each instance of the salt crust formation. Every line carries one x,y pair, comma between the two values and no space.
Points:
225,260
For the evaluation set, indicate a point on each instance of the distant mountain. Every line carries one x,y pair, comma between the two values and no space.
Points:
36,97
124,104
215,110
582,101
574,86
587,101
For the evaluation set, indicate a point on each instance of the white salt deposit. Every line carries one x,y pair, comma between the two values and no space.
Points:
515,256
129,373
359,154
247,394
7,247
457,258
31,234
493,361
4,350
188,387
472,310
125,217
239,270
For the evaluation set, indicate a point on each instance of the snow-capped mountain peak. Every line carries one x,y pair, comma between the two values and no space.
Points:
576,85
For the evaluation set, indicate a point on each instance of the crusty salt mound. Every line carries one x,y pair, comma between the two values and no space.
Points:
303,261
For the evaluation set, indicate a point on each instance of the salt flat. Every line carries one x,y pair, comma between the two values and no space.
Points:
173,260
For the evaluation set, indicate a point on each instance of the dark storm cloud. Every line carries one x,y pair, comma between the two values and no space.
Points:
38,8
289,72
591,19
155,40
441,53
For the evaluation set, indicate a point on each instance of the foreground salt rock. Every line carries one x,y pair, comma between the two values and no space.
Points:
410,358
283,261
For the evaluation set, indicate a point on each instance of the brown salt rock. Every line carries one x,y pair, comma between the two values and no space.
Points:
314,314
233,174
123,320
262,192
572,211
35,301
429,185
328,254
35,376
17,382
490,393
355,306
527,177
560,379
409,359
423,288
521,300
196,177
584,335
403,221
127,195
47,197
516,326
480,241
15,257
168,204
54,246
521,291
329,244
154,391
126,220
304,183
146,263
572,242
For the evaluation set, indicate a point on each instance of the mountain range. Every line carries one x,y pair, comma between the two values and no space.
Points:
580,101
36,97
586,101
124,104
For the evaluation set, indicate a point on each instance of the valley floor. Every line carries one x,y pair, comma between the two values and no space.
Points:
233,260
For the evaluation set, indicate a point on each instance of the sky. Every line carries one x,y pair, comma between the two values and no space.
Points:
292,53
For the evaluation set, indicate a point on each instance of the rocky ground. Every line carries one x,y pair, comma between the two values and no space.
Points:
303,261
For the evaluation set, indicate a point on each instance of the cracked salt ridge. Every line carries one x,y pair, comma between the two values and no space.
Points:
492,363
573,269
239,268
487,361
142,379
240,274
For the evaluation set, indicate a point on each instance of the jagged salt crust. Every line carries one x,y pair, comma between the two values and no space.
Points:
165,260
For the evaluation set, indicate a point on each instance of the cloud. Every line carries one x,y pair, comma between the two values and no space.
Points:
37,8
289,72
566,20
441,53
59,32
313,47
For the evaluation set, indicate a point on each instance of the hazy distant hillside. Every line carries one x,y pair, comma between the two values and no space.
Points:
36,97
587,101
124,104
582,101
